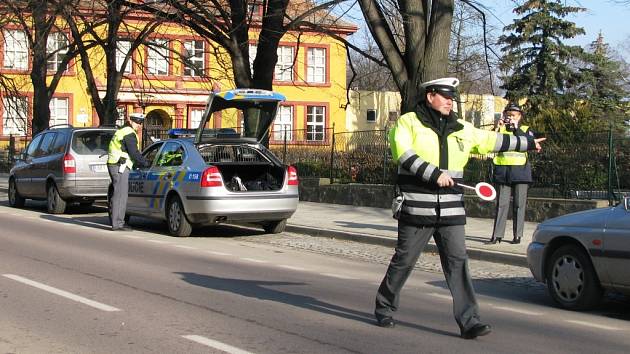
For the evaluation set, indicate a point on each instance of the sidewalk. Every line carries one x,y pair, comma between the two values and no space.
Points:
376,226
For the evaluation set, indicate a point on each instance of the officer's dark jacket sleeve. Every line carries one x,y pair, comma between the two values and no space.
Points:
130,145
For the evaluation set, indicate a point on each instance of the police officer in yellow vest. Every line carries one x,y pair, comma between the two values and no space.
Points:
513,173
432,146
123,154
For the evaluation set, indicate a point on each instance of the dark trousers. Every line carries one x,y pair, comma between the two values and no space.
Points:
450,241
518,192
120,182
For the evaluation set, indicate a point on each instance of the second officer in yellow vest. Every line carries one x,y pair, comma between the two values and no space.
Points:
123,154
513,173
432,146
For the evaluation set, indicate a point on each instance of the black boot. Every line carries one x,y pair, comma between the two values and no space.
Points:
516,241
494,240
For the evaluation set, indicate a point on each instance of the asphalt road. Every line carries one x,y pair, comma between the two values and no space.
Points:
69,285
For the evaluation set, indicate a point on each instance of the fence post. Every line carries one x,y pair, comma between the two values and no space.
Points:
384,155
11,149
332,153
610,165
284,152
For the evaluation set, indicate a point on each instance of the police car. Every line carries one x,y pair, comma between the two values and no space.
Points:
219,175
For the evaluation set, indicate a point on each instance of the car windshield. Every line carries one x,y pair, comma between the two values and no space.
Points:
91,142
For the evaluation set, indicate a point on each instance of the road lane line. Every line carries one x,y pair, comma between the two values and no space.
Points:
441,296
593,325
216,344
185,247
338,276
62,293
219,253
157,241
131,236
254,260
291,267
524,312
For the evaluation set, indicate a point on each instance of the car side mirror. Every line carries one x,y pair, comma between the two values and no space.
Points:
20,157
626,203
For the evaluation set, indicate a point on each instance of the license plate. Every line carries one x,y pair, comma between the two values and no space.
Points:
99,168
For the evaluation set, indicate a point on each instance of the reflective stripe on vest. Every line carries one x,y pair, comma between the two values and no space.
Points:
511,158
115,147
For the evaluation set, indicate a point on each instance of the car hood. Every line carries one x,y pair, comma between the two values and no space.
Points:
589,218
256,108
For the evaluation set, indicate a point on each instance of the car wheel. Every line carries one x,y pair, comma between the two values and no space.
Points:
571,279
15,199
178,225
55,204
275,227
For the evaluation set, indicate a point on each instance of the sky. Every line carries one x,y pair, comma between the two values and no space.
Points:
607,16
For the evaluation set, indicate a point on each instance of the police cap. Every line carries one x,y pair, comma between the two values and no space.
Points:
137,117
446,87
513,107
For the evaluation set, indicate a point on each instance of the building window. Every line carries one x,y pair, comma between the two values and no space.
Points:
58,111
122,114
157,57
194,58
57,48
284,66
15,115
393,115
371,116
253,49
316,69
196,114
254,10
283,124
15,50
123,49
315,123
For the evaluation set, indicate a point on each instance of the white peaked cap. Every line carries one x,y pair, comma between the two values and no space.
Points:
444,82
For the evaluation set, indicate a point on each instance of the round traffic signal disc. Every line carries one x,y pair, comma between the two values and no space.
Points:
485,191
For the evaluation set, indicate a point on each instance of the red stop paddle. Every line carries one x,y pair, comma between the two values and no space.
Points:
484,190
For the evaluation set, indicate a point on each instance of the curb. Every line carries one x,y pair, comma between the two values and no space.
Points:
473,253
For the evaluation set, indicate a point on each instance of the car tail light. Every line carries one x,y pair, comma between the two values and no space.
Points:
293,176
211,177
69,164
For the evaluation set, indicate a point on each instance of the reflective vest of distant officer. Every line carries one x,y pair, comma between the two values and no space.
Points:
512,166
424,150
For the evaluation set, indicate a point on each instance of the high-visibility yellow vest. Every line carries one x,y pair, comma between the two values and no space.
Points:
115,147
511,158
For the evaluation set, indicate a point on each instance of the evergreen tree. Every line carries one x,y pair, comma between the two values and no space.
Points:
538,65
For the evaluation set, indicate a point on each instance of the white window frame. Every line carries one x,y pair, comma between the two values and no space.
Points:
15,50
367,116
284,65
15,115
157,57
59,111
195,64
253,50
196,114
123,47
315,123
283,121
122,115
316,65
56,48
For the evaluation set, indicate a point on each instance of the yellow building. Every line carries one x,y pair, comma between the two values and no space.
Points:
376,110
311,73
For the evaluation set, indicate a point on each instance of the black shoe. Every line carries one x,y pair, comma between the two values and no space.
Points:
516,241
124,228
493,241
386,322
477,330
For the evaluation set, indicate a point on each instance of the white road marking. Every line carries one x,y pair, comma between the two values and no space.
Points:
185,247
291,267
131,236
216,344
62,293
157,241
254,260
441,296
593,325
338,276
524,312
219,253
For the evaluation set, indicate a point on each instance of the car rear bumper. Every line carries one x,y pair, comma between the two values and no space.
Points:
535,253
93,188
207,211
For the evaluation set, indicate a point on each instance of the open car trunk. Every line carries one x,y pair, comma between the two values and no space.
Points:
244,168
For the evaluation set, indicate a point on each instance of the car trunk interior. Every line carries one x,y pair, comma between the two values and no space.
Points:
244,168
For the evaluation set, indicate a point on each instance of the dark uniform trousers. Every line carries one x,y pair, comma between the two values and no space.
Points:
450,241
120,183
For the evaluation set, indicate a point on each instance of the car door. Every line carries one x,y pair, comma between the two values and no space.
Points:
165,174
40,165
617,246
139,184
24,175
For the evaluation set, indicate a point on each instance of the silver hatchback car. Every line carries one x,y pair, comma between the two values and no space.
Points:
62,165
218,175
580,255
